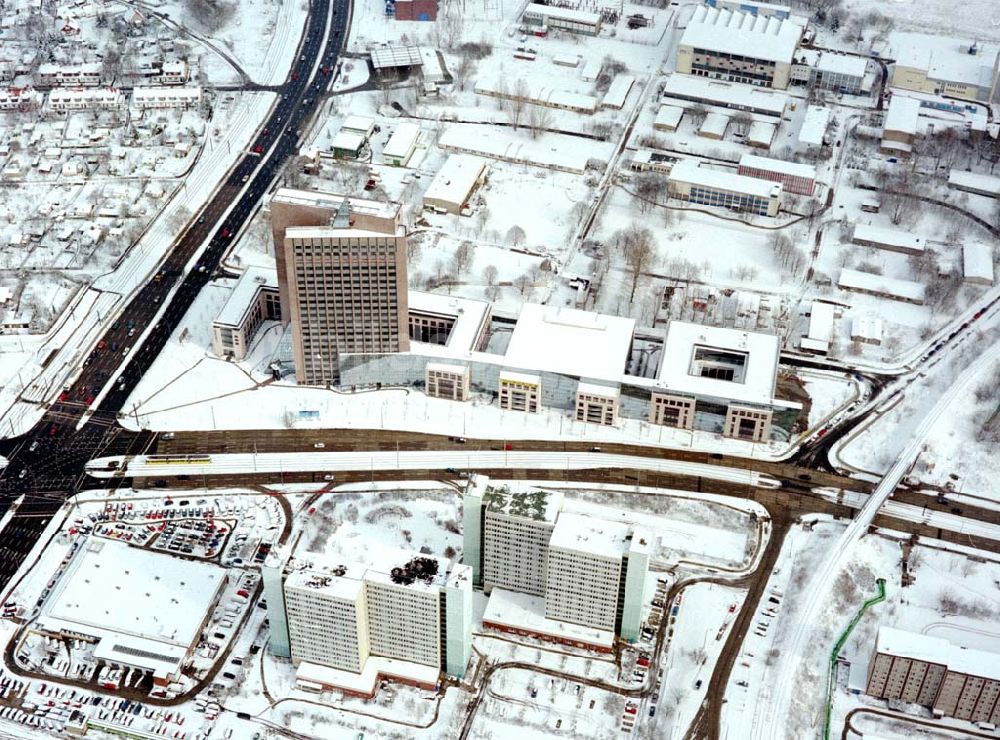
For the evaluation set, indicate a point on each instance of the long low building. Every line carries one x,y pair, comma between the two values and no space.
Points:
70,99
253,301
725,95
452,187
711,379
794,177
881,286
892,240
166,97
952,681
519,89
942,65
694,184
565,19
974,182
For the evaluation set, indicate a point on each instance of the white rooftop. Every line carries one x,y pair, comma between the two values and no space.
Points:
456,178
244,293
332,201
814,124
866,327
778,165
974,181
527,612
402,140
375,562
977,261
112,589
903,114
570,341
687,170
936,650
893,238
944,58
618,91
870,282
471,319
601,391
669,115
821,317
748,35
365,682
568,14
362,124
759,373
715,123
348,140
590,535
388,56
725,94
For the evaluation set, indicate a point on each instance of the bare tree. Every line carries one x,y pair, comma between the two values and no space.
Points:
515,100
523,284
539,120
490,274
639,249
462,258
515,235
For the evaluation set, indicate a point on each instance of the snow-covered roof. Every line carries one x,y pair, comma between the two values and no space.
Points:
916,646
761,132
866,327
814,124
319,571
332,201
759,371
330,232
780,166
570,341
334,580
245,293
850,65
456,179
534,92
669,115
527,612
618,91
821,317
902,115
590,535
542,506
688,171
471,318
361,124
977,261
516,377
744,34
715,124
892,238
348,140
725,94
880,284
113,589
943,57
395,55
145,94
601,391
550,152
365,681
402,140
974,181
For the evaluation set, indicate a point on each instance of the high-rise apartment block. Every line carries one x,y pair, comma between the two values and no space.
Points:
951,680
342,279
587,571
407,616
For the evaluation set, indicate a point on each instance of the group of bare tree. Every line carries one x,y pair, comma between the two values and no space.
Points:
210,15
637,246
792,259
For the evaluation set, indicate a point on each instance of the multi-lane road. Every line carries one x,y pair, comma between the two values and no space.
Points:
46,464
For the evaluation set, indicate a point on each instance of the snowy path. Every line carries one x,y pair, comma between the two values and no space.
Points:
301,462
771,722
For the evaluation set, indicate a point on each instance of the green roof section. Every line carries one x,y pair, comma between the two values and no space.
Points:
528,505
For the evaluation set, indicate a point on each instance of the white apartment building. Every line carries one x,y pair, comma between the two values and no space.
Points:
166,97
70,99
349,625
584,570
517,528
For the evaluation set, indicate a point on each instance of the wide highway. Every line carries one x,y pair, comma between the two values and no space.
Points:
46,465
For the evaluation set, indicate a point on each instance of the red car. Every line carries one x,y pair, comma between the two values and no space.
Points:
64,395
259,149
100,344
370,185
325,70
295,75
226,233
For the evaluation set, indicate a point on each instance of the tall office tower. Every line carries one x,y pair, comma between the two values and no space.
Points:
344,288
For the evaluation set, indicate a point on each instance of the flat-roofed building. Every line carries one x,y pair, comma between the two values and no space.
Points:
108,595
447,381
565,19
704,186
535,94
866,329
882,286
454,184
794,177
722,94
899,130
347,294
775,10
952,681
828,70
943,65
892,240
254,300
739,47
388,615
401,145
520,392
166,97
817,339
597,404
977,263
974,182
668,118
